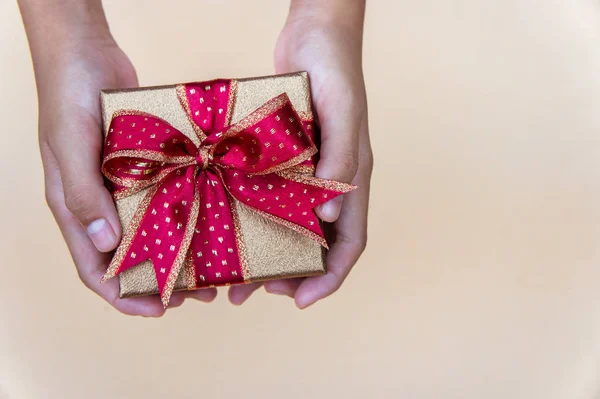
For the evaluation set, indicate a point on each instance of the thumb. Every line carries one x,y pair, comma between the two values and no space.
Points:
78,151
338,154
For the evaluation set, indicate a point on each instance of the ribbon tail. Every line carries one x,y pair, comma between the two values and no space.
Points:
119,262
160,231
167,289
286,198
217,248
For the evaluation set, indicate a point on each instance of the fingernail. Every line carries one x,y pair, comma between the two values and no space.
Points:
304,300
331,209
102,235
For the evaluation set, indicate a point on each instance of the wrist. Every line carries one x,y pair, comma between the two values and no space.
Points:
346,15
54,28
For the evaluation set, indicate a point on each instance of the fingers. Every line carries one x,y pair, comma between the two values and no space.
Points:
77,147
345,251
286,287
91,266
90,263
341,123
238,294
203,295
350,238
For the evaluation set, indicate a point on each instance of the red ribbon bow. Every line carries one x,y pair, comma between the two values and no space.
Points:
187,219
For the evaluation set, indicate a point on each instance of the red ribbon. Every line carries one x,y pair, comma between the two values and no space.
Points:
187,219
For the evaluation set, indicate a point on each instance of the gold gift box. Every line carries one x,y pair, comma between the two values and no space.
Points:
273,251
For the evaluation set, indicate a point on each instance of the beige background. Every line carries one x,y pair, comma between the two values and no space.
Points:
482,276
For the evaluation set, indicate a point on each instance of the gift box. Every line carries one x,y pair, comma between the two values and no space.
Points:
214,183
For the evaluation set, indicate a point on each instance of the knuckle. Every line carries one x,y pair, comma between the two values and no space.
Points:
51,137
54,198
360,245
79,199
337,285
347,161
355,244
269,289
367,162
84,279
51,198
114,302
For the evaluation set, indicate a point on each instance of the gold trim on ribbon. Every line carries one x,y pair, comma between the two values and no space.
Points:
306,116
190,272
303,156
317,182
182,95
126,112
233,85
303,169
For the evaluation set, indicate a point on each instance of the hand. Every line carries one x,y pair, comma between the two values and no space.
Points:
331,53
69,79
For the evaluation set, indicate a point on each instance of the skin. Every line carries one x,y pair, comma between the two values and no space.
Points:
74,56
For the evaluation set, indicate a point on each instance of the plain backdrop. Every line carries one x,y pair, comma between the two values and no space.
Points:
482,274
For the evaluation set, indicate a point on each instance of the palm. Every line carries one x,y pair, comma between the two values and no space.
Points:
328,58
96,69
76,85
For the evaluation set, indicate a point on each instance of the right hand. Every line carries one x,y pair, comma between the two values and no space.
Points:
70,137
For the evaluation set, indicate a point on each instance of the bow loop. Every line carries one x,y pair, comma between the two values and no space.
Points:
140,149
270,139
208,105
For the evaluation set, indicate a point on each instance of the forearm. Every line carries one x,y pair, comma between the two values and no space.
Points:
57,30
54,25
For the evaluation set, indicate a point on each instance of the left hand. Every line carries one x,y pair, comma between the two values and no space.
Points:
332,55
74,57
